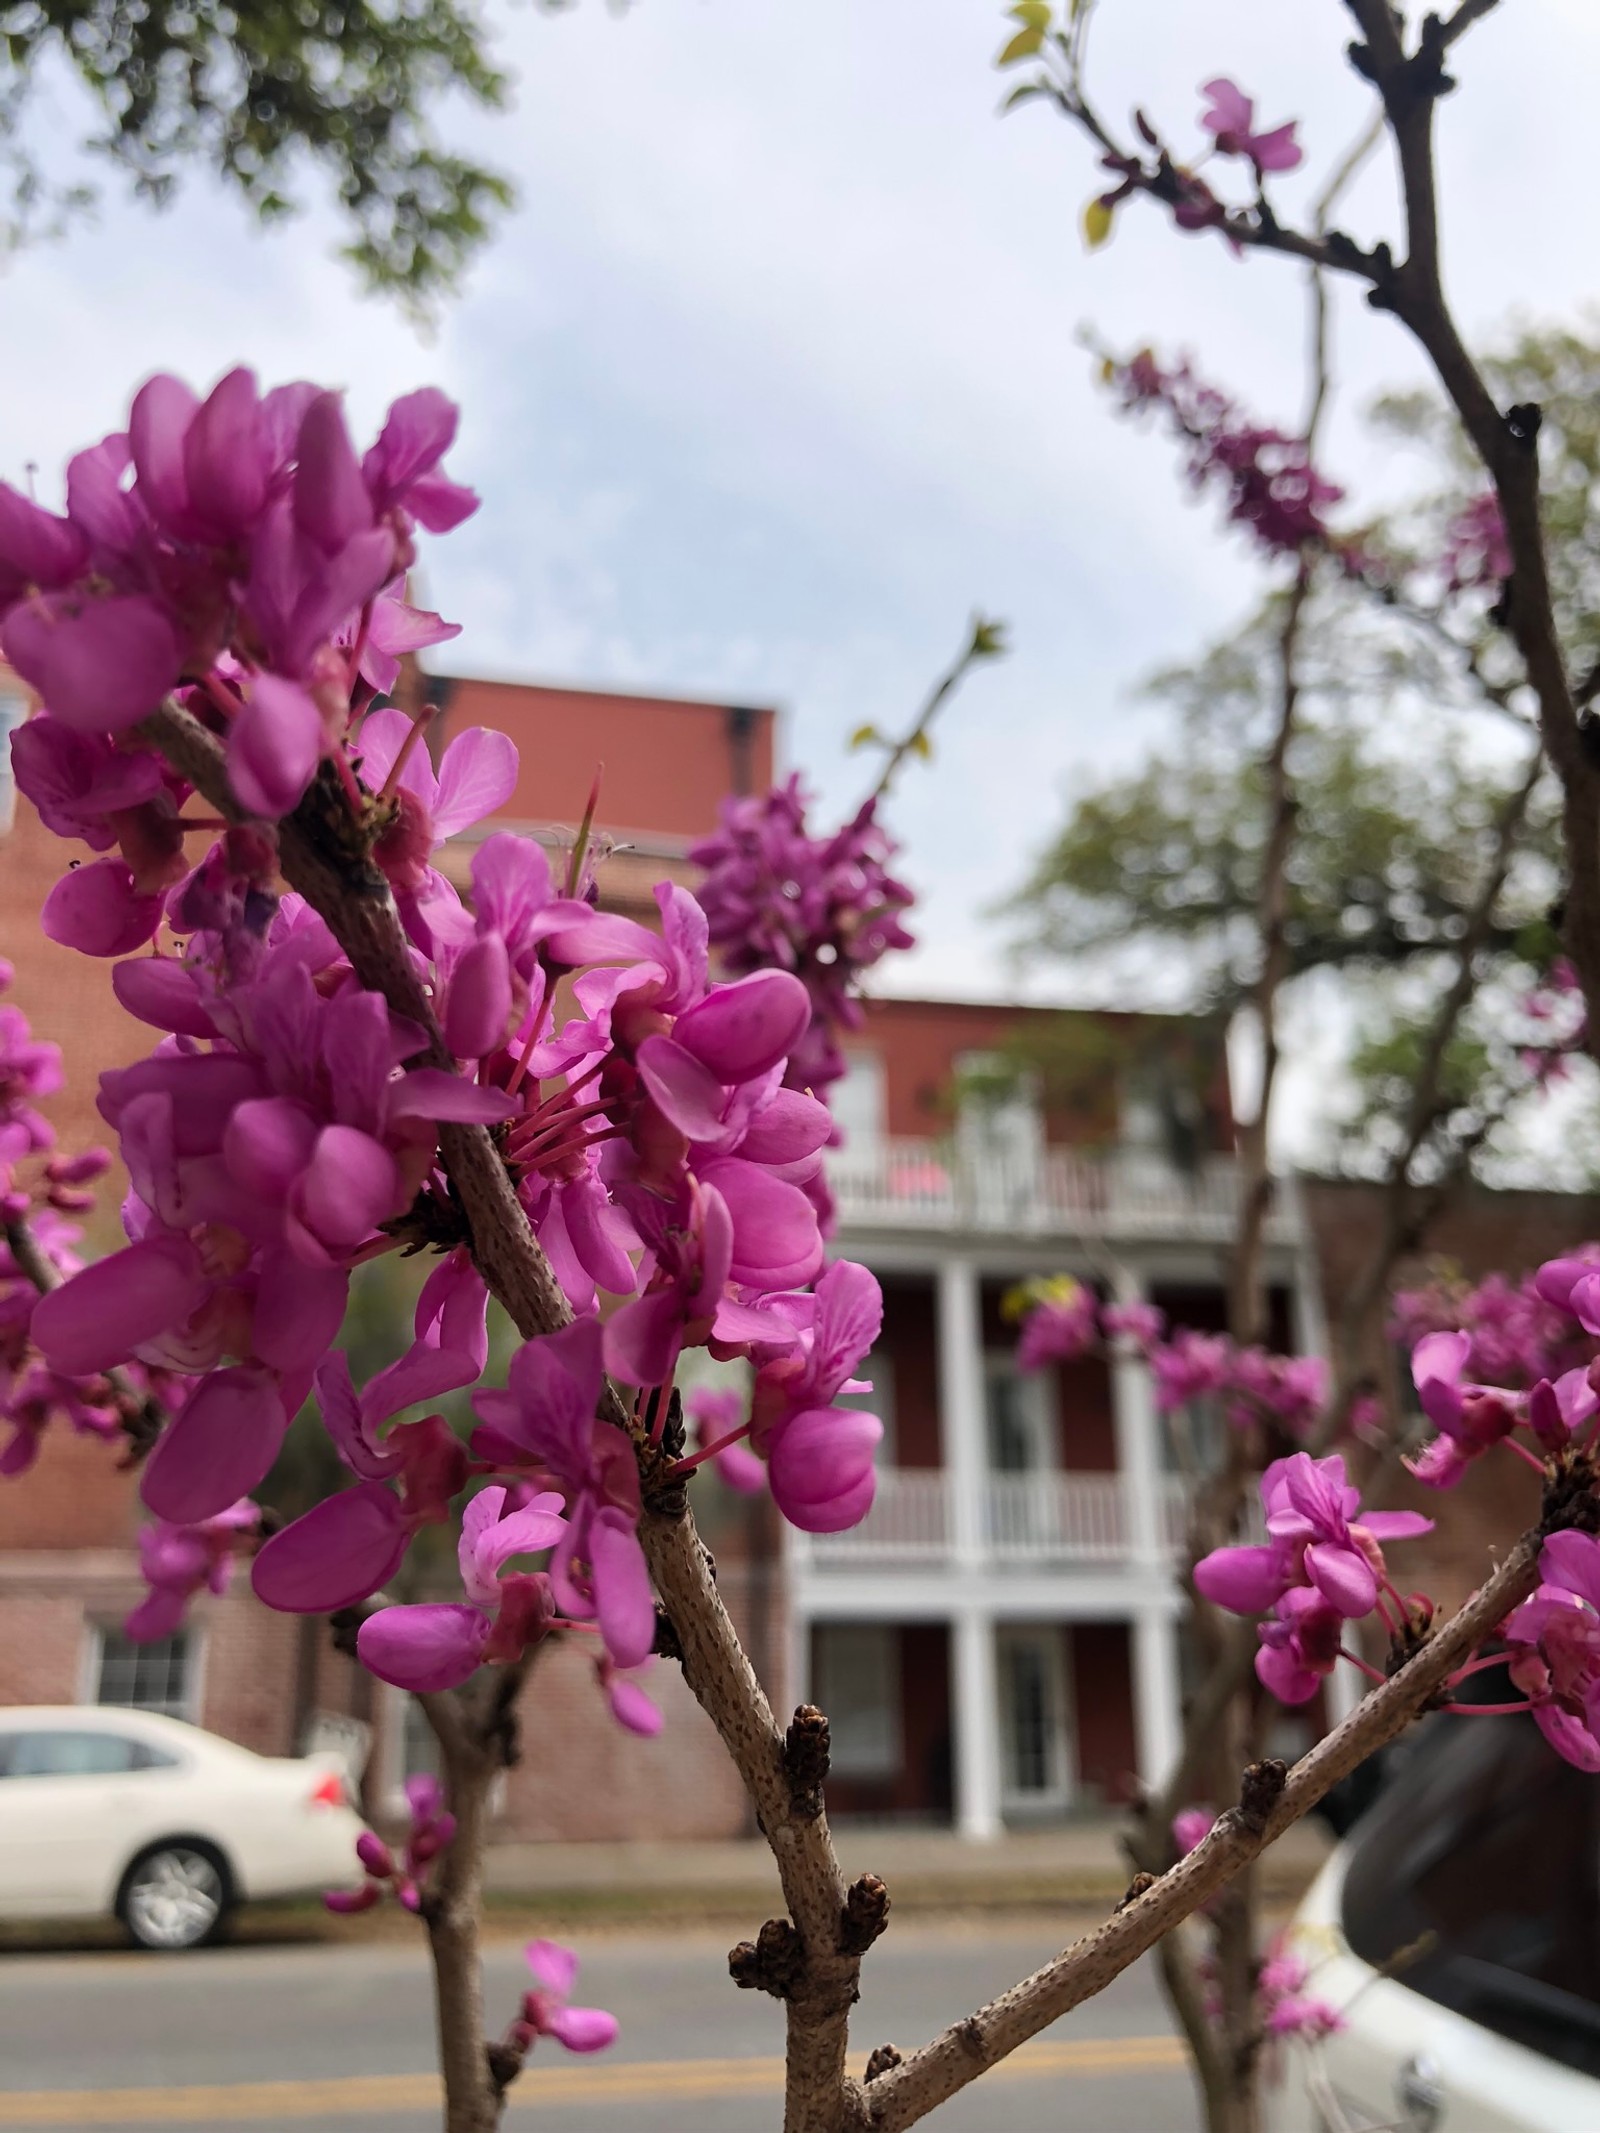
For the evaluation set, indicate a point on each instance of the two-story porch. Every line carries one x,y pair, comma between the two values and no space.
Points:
997,1643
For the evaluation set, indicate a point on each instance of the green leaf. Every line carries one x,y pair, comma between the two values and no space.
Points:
1032,14
1097,220
920,746
865,737
1023,46
1021,93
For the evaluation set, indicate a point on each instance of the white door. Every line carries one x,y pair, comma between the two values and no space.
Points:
1034,1763
73,1807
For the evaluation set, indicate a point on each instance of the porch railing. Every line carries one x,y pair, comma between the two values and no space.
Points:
937,1185
1027,1519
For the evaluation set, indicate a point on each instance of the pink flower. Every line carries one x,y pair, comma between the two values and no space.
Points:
1060,1327
432,1830
1558,1631
440,1645
546,1420
1470,1418
545,2009
825,908
176,1562
1229,117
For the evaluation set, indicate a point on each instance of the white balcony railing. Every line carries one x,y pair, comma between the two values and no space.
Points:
1127,1193
1028,1519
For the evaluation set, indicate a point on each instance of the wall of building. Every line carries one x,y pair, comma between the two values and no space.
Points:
667,763
1102,1704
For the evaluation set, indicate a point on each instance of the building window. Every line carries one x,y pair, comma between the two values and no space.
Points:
1032,1718
857,1102
146,1677
13,710
858,1685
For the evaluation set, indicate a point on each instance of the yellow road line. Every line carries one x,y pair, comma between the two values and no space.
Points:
365,2095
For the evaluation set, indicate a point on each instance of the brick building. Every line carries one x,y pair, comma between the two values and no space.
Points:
997,1643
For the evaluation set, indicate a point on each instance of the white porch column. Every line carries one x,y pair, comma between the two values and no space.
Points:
1157,1716
963,1430
1138,1439
975,1695
1346,1687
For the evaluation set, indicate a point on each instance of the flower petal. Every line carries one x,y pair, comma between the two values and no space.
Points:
339,1552
218,1448
424,1649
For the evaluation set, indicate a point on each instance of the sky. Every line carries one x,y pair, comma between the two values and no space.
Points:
775,375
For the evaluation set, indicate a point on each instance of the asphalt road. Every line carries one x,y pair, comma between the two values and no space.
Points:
320,2039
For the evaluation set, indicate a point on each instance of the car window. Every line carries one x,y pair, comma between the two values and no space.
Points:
67,1754
1476,1877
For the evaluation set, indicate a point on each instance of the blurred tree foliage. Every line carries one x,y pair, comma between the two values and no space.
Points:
257,93
1406,749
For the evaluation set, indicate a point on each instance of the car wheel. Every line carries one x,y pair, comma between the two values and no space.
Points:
174,1895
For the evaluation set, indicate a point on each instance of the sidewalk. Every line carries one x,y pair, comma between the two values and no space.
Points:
926,1869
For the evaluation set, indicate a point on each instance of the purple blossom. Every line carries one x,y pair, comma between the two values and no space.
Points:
1557,1632
546,2011
176,1562
825,908
1229,117
546,1421
439,1645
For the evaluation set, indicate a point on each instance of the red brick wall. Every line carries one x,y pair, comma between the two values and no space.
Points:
667,764
921,1041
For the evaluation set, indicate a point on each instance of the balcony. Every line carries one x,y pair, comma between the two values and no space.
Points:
933,1185
1029,1520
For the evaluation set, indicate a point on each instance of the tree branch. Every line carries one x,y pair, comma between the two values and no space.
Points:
940,2069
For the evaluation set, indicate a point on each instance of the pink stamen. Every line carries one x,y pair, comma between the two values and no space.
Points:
1485,1710
1372,1673
408,747
710,1451
1523,1453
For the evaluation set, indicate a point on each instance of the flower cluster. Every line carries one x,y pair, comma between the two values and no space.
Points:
1062,1319
1323,1566
1265,477
1555,1638
176,1562
826,908
432,1828
1519,1362
1228,117
1475,550
661,1139
38,1190
238,550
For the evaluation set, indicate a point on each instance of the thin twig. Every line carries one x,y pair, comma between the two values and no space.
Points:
906,2093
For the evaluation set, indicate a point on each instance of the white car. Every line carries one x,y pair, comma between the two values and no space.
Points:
1457,1930
105,1811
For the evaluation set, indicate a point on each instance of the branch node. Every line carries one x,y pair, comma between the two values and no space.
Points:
661,1488
1137,1888
805,1759
773,1962
1260,1790
882,2058
1524,422
865,1915
668,1644
1571,1503
505,2064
